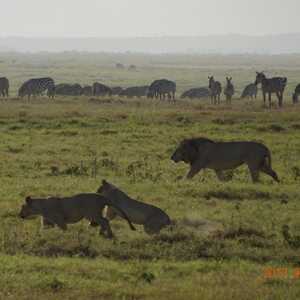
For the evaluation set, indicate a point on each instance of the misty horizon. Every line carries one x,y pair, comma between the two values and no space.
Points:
211,44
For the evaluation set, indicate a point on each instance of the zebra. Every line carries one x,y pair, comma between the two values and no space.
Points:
271,85
296,94
36,86
135,91
193,93
215,90
162,87
250,91
4,86
229,90
100,89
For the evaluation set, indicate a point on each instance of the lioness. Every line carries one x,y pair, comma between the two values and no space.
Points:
152,217
63,211
202,153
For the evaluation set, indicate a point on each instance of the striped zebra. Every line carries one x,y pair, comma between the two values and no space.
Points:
270,86
249,91
215,90
296,94
229,90
4,86
162,87
36,86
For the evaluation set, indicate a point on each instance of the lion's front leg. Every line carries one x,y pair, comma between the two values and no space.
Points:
195,169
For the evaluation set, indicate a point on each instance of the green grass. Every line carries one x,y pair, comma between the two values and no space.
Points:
69,145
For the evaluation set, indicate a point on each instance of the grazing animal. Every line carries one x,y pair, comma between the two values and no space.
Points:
132,68
202,153
250,91
66,89
87,90
229,90
198,93
69,210
215,90
135,91
36,86
100,89
4,87
162,87
152,217
270,86
120,66
296,94
116,90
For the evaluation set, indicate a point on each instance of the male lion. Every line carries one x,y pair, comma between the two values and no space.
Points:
63,211
202,153
152,217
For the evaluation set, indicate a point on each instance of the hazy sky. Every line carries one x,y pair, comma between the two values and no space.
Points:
123,18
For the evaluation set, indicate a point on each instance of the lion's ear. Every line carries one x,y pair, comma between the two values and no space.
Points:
28,200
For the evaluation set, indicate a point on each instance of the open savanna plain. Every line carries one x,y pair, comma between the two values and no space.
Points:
227,241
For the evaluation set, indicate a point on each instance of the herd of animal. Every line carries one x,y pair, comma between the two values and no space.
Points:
109,201
161,89
201,153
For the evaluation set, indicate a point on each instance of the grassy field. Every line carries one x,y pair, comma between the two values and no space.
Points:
69,145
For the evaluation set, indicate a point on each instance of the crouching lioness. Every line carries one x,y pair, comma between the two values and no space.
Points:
152,217
202,153
69,210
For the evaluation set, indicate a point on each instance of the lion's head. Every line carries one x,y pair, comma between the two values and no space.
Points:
28,209
188,150
105,188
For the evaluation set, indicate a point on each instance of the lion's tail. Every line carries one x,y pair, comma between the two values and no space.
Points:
122,213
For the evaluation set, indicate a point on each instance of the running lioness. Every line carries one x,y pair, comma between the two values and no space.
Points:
152,217
202,153
69,210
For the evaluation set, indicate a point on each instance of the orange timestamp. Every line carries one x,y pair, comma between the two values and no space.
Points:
281,273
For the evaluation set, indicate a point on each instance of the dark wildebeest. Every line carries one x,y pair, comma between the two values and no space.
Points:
162,87
100,89
296,94
87,90
66,89
271,85
229,90
36,86
202,153
215,90
120,66
250,91
135,91
194,93
4,87
116,90
132,68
